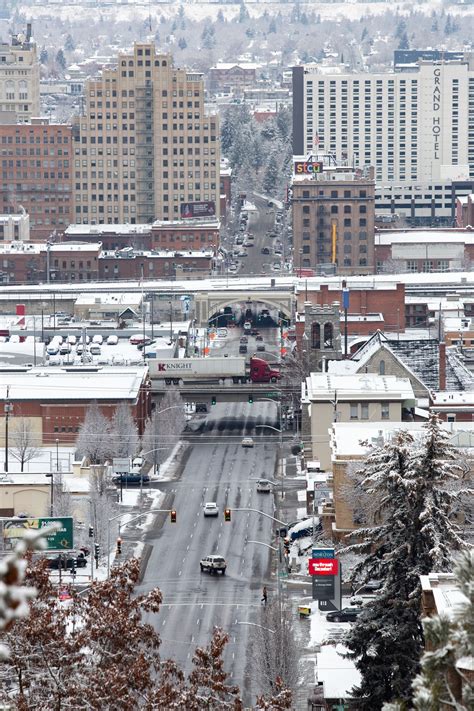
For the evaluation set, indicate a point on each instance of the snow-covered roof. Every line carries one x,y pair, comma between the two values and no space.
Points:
109,299
458,397
388,237
447,596
337,673
235,65
346,437
74,484
108,229
367,386
75,247
46,384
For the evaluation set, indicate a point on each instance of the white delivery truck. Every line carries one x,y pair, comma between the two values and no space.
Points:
177,371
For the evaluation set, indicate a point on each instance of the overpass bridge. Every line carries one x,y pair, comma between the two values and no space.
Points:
205,392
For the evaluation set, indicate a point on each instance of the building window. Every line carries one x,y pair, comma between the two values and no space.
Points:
328,335
364,411
385,411
354,412
382,367
315,336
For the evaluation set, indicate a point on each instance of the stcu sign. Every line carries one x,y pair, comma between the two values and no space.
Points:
308,167
323,566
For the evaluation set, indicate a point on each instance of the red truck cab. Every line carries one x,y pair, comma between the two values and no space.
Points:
262,372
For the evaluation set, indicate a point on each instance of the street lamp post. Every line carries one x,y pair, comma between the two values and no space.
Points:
57,455
7,408
51,476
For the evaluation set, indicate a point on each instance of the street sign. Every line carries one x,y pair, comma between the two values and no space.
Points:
323,566
15,528
121,465
326,605
323,587
323,553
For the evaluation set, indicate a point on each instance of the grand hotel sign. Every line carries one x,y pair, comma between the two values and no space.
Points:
436,107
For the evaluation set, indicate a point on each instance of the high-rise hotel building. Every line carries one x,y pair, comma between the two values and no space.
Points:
414,125
145,145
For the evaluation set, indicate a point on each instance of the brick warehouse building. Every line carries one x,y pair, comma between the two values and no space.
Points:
55,401
36,173
333,217
190,234
365,298
28,263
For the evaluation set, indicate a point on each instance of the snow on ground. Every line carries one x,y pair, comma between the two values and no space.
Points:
167,470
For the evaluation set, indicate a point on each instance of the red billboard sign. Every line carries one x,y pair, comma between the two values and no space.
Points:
323,566
198,209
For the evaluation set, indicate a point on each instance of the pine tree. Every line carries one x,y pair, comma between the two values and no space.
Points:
69,45
61,59
412,488
272,175
44,55
404,43
182,44
449,638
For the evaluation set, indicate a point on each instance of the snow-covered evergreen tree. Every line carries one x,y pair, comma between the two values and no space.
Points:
449,640
412,491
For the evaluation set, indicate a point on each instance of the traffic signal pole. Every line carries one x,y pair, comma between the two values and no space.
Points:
135,518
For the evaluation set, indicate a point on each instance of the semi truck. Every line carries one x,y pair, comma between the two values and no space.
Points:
177,371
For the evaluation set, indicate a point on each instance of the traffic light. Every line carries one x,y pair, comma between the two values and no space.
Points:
173,516
250,398
96,551
119,546
213,400
74,568
91,531
227,515
286,544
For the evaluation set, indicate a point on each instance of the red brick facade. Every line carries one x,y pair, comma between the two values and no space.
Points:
390,302
37,170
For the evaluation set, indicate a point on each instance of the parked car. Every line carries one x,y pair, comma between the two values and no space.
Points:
247,442
365,593
65,561
347,614
213,564
138,339
255,332
95,349
244,339
65,349
132,479
211,509
259,337
265,250
112,340
243,349
260,346
72,340
98,339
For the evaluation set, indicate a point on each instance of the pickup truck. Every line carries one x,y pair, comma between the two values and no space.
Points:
213,564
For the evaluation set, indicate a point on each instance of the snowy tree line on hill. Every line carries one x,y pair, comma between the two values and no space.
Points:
259,153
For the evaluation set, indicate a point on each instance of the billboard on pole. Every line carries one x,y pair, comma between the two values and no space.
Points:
198,209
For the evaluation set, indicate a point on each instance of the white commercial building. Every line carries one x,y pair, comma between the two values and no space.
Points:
19,79
415,126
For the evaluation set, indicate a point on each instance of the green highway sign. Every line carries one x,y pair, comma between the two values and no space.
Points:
58,540
272,394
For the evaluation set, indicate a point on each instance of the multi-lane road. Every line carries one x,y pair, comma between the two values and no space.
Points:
217,469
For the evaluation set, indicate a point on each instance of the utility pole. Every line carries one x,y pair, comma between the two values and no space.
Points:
7,409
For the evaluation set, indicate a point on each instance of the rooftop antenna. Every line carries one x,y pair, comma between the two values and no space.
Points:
149,15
